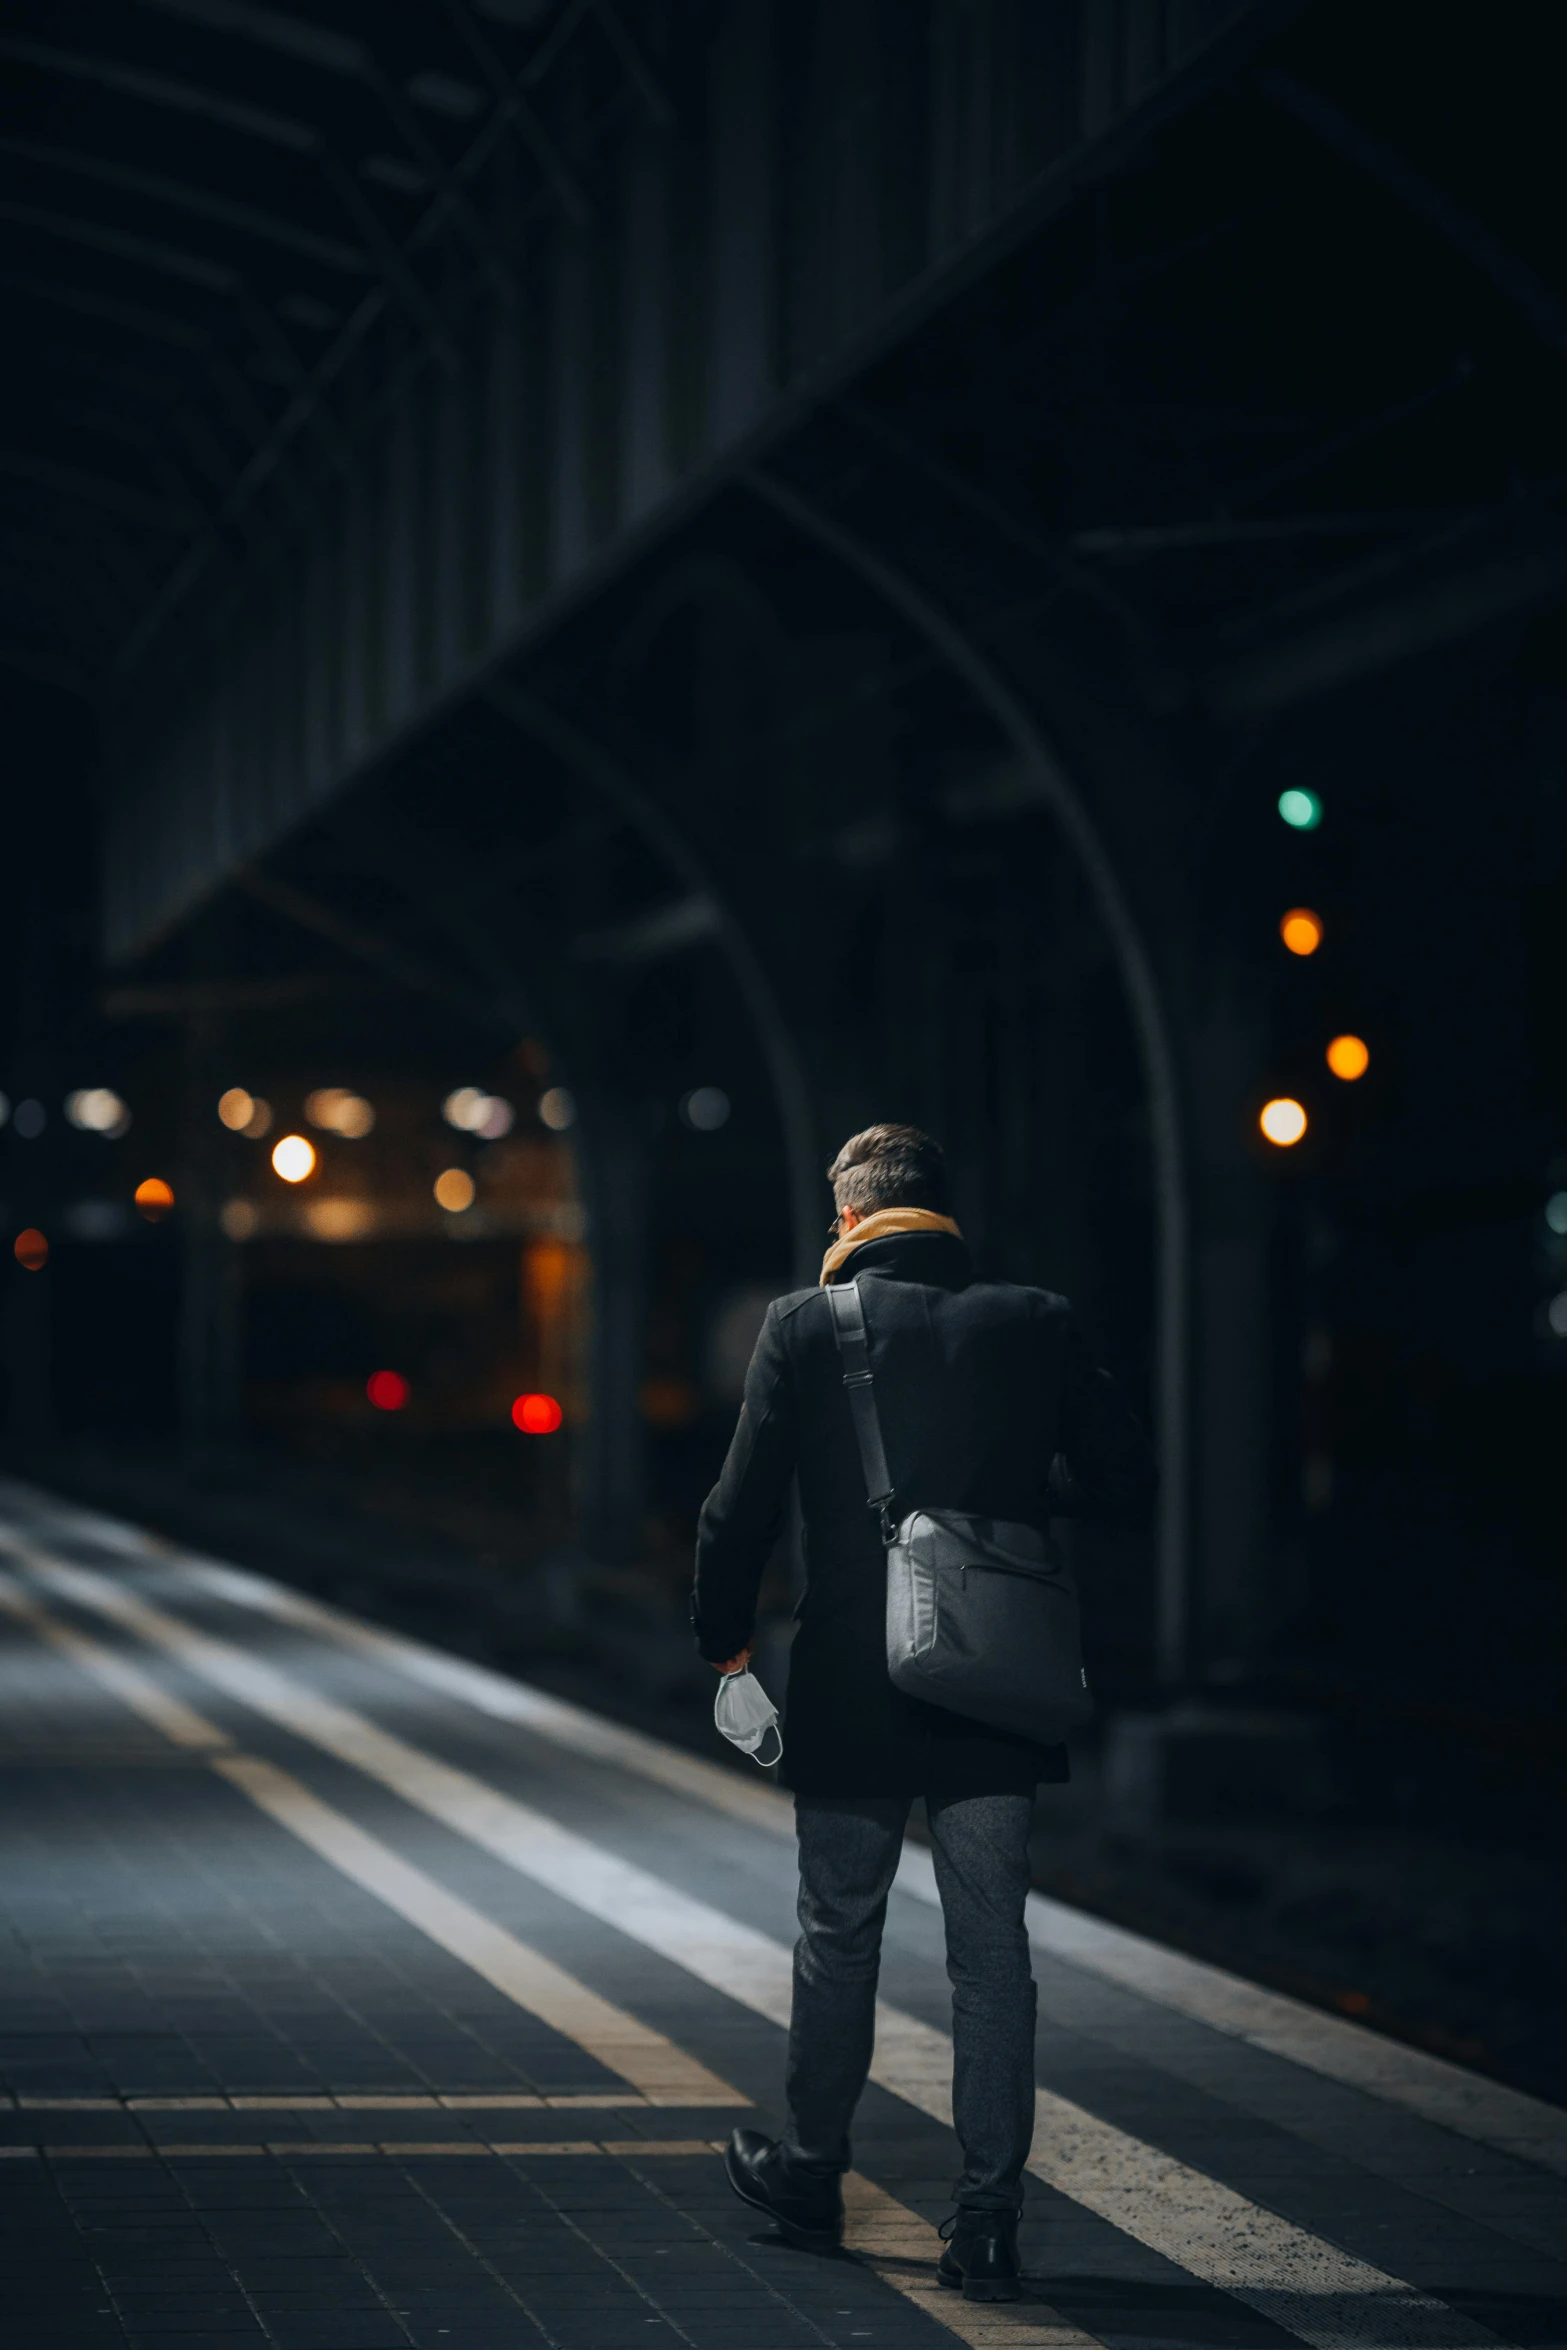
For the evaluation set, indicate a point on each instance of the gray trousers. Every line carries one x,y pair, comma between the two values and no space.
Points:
849,1848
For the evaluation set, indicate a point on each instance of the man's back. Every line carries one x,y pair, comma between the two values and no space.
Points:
990,1404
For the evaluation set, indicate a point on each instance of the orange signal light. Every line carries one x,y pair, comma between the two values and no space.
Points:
154,1198
1283,1122
31,1250
537,1415
1301,930
1348,1057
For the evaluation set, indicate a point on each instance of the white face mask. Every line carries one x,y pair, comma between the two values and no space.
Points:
748,1718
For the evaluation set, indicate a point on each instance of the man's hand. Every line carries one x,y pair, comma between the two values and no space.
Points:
736,1664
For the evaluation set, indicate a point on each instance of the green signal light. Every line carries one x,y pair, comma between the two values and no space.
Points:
1302,810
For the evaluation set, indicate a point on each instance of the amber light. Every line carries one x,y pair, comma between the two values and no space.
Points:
537,1415
244,1113
454,1190
1301,930
340,1111
668,1403
1348,1058
31,1250
154,1198
387,1390
1283,1122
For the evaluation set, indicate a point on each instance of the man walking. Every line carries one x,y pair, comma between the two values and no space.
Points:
990,1404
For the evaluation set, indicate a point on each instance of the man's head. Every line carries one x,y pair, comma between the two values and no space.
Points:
889,1167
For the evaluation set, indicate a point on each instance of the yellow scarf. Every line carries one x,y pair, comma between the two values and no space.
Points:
881,1226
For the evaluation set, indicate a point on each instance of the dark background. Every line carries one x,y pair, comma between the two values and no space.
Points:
627,561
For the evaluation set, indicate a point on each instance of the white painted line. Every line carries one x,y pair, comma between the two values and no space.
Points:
663,2073
1325,2296
756,1800
903,2250
1438,2091
702,1940
134,1688
656,2069
1446,2094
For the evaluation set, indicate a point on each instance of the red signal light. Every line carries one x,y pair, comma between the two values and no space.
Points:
537,1415
387,1390
31,1252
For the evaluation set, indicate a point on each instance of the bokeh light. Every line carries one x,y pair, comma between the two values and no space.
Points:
293,1158
245,1113
1349,1057
464,1107
240,1219
1556,1314
454,1190
1283,1121
473,1111
387,1390
537,1415
154,1198
1301,810
557,1108
337,1110
29,1119
706,1108
31,1250
98,1110
1301,930
1556,1211
340,1219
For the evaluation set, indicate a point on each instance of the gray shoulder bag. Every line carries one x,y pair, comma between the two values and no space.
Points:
982,1613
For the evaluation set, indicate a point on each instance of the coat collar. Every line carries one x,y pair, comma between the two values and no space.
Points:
880,1226
939,1259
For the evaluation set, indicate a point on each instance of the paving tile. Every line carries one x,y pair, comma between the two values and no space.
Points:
166,1941
335,2329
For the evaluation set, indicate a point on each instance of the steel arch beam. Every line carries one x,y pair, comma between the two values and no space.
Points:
1508,271
1150,1024
641,810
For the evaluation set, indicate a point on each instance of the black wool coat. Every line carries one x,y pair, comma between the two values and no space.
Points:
991,1403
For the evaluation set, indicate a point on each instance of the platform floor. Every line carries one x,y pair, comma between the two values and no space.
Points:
352,1996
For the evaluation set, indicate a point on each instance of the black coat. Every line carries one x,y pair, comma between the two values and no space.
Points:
990,1403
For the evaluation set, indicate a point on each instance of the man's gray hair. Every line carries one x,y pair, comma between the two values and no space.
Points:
890,1167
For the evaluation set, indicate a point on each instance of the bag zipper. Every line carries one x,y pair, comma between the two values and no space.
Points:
994,1567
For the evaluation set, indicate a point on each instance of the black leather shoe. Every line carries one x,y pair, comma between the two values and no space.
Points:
806,2212
981,2256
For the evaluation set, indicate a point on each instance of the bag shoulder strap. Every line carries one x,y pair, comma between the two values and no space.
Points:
848,1318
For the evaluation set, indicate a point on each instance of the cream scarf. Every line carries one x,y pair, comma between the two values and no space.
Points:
881,1226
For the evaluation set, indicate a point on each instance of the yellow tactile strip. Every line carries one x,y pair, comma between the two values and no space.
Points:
389,2101
398,2149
